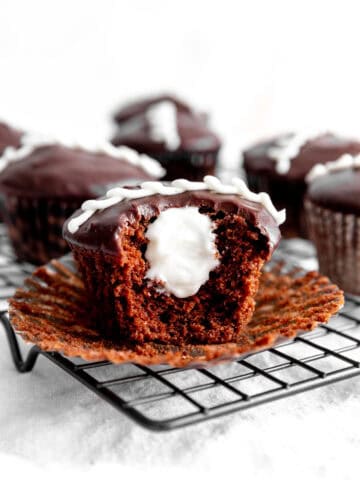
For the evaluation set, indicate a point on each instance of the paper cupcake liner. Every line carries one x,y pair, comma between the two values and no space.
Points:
337,240
35,227
52,311
285,194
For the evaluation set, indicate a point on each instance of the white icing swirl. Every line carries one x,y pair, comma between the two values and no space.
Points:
287,148
342,163
213,184
162,118
31,142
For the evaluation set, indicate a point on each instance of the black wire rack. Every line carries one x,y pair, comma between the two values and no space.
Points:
162,398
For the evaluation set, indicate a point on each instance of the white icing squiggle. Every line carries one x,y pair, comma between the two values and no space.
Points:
162,118
288,148
344,162
31,142
213,184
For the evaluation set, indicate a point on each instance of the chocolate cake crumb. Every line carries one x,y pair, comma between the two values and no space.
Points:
130,308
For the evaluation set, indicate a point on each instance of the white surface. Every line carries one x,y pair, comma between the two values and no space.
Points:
259,67
181,250
46,417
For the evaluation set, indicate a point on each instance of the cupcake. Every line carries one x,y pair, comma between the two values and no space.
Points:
332,206
174,263
279,166
167,129
10,140
41,184
9,137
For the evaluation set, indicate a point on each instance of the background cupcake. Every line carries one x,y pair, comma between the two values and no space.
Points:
332,207
9,137
172,132
279,166
10,140
42,184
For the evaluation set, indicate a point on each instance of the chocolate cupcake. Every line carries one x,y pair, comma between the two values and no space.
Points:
9,137
176,263
41,184
167,129
279,166
10,140
332,205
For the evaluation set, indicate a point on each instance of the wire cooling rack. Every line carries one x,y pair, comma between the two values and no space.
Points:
163,398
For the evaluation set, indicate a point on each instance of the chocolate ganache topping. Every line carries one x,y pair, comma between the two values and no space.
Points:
59,171
98,223
137,107
9,137
336,185
164,123
292,156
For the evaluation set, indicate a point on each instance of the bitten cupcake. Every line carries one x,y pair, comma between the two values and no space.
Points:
169,130
174,263
332,207
279,166
9,137
43,183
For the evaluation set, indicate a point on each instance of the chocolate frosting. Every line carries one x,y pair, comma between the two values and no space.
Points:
134,129
137,107
9,137
101,230
338,191
322,149
56,171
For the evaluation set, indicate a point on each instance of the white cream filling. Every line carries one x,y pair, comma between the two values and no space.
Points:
181,250
342,163
213,184
162,118
31,142
287,148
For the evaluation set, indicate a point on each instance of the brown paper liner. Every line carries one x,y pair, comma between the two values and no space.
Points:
337,240
35,226
52,311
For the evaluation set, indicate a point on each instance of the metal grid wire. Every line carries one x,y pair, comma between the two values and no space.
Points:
164,398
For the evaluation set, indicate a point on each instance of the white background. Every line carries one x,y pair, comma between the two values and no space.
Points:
259,67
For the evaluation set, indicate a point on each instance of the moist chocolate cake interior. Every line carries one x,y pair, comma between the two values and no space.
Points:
140,312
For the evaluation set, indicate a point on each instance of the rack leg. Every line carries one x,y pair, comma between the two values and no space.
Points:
21,365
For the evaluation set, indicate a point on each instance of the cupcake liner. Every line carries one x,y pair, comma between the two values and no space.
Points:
35,226
337,240
52,311
190,165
